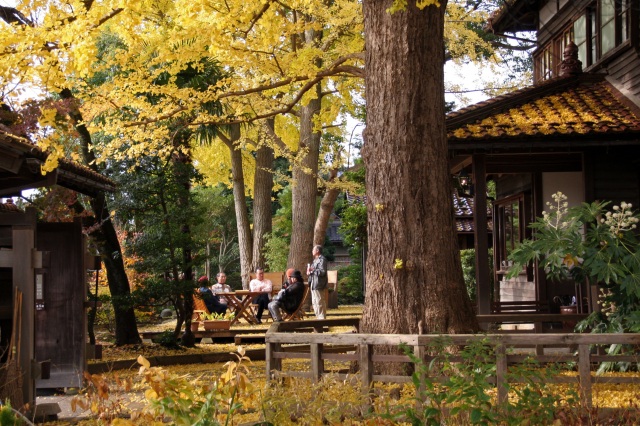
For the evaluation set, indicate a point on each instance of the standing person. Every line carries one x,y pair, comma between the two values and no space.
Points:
213,303
221,286
317,273
289,298
260,284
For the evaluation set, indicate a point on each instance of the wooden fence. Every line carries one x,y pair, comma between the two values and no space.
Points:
307,340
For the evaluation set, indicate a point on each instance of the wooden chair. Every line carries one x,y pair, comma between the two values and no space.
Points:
298,315
199,308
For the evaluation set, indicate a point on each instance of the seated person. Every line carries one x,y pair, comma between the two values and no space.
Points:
213,303
288,298
221,286
259,283
287,279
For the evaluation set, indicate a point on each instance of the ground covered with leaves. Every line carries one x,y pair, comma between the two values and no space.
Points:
236,393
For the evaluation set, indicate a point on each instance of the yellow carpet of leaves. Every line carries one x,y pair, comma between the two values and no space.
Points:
331,399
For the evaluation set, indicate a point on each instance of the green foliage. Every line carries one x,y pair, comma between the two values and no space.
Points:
217,227
167,339
606,254
459,392
105,316
350,283
276,248
276,252
468,260
354,224
212,316
8,416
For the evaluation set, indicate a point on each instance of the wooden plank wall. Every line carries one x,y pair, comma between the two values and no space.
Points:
61,326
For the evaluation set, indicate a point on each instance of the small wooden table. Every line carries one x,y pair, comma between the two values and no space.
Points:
240,301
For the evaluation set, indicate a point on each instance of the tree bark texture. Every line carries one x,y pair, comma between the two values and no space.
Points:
305,186
111,254
181,162
326,207
413,273
262,187
240,203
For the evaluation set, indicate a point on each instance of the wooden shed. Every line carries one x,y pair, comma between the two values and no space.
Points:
42,276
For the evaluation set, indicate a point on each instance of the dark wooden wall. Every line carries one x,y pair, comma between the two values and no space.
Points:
613,174
61,326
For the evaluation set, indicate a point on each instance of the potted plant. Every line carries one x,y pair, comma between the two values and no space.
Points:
195,325
214,321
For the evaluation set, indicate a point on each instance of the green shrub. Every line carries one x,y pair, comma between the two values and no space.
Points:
167,339
468,260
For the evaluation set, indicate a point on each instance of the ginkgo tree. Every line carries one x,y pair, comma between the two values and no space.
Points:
279,59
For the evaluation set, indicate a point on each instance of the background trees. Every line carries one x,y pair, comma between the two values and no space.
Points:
140,77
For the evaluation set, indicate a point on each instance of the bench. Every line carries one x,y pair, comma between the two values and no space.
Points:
528,306
520,307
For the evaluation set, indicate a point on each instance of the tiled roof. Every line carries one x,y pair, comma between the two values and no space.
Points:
463,210
9,207
582,107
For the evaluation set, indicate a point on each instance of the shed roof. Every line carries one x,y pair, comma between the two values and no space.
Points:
20,163
572,110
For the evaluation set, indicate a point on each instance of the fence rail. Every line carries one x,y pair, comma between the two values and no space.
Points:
283,341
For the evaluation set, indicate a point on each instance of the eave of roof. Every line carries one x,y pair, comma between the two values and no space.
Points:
573,111
514,16
68,173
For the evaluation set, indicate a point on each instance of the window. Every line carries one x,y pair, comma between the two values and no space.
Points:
603,27
510,220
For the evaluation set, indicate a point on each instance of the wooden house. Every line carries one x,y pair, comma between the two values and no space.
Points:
575,130
43,267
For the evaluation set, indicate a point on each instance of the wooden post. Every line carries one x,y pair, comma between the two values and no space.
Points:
584,369
366,375
366,368
23,247
420,352
501,373
481,234
317,364
271,362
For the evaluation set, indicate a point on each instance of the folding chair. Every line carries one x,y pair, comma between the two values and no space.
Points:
298,314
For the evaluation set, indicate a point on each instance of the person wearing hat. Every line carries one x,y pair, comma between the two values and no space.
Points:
213,303
287,280
288,298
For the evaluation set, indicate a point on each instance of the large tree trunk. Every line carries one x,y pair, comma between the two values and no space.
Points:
106,240
181,164
262,187
240,203
305,187
110,252
413,271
